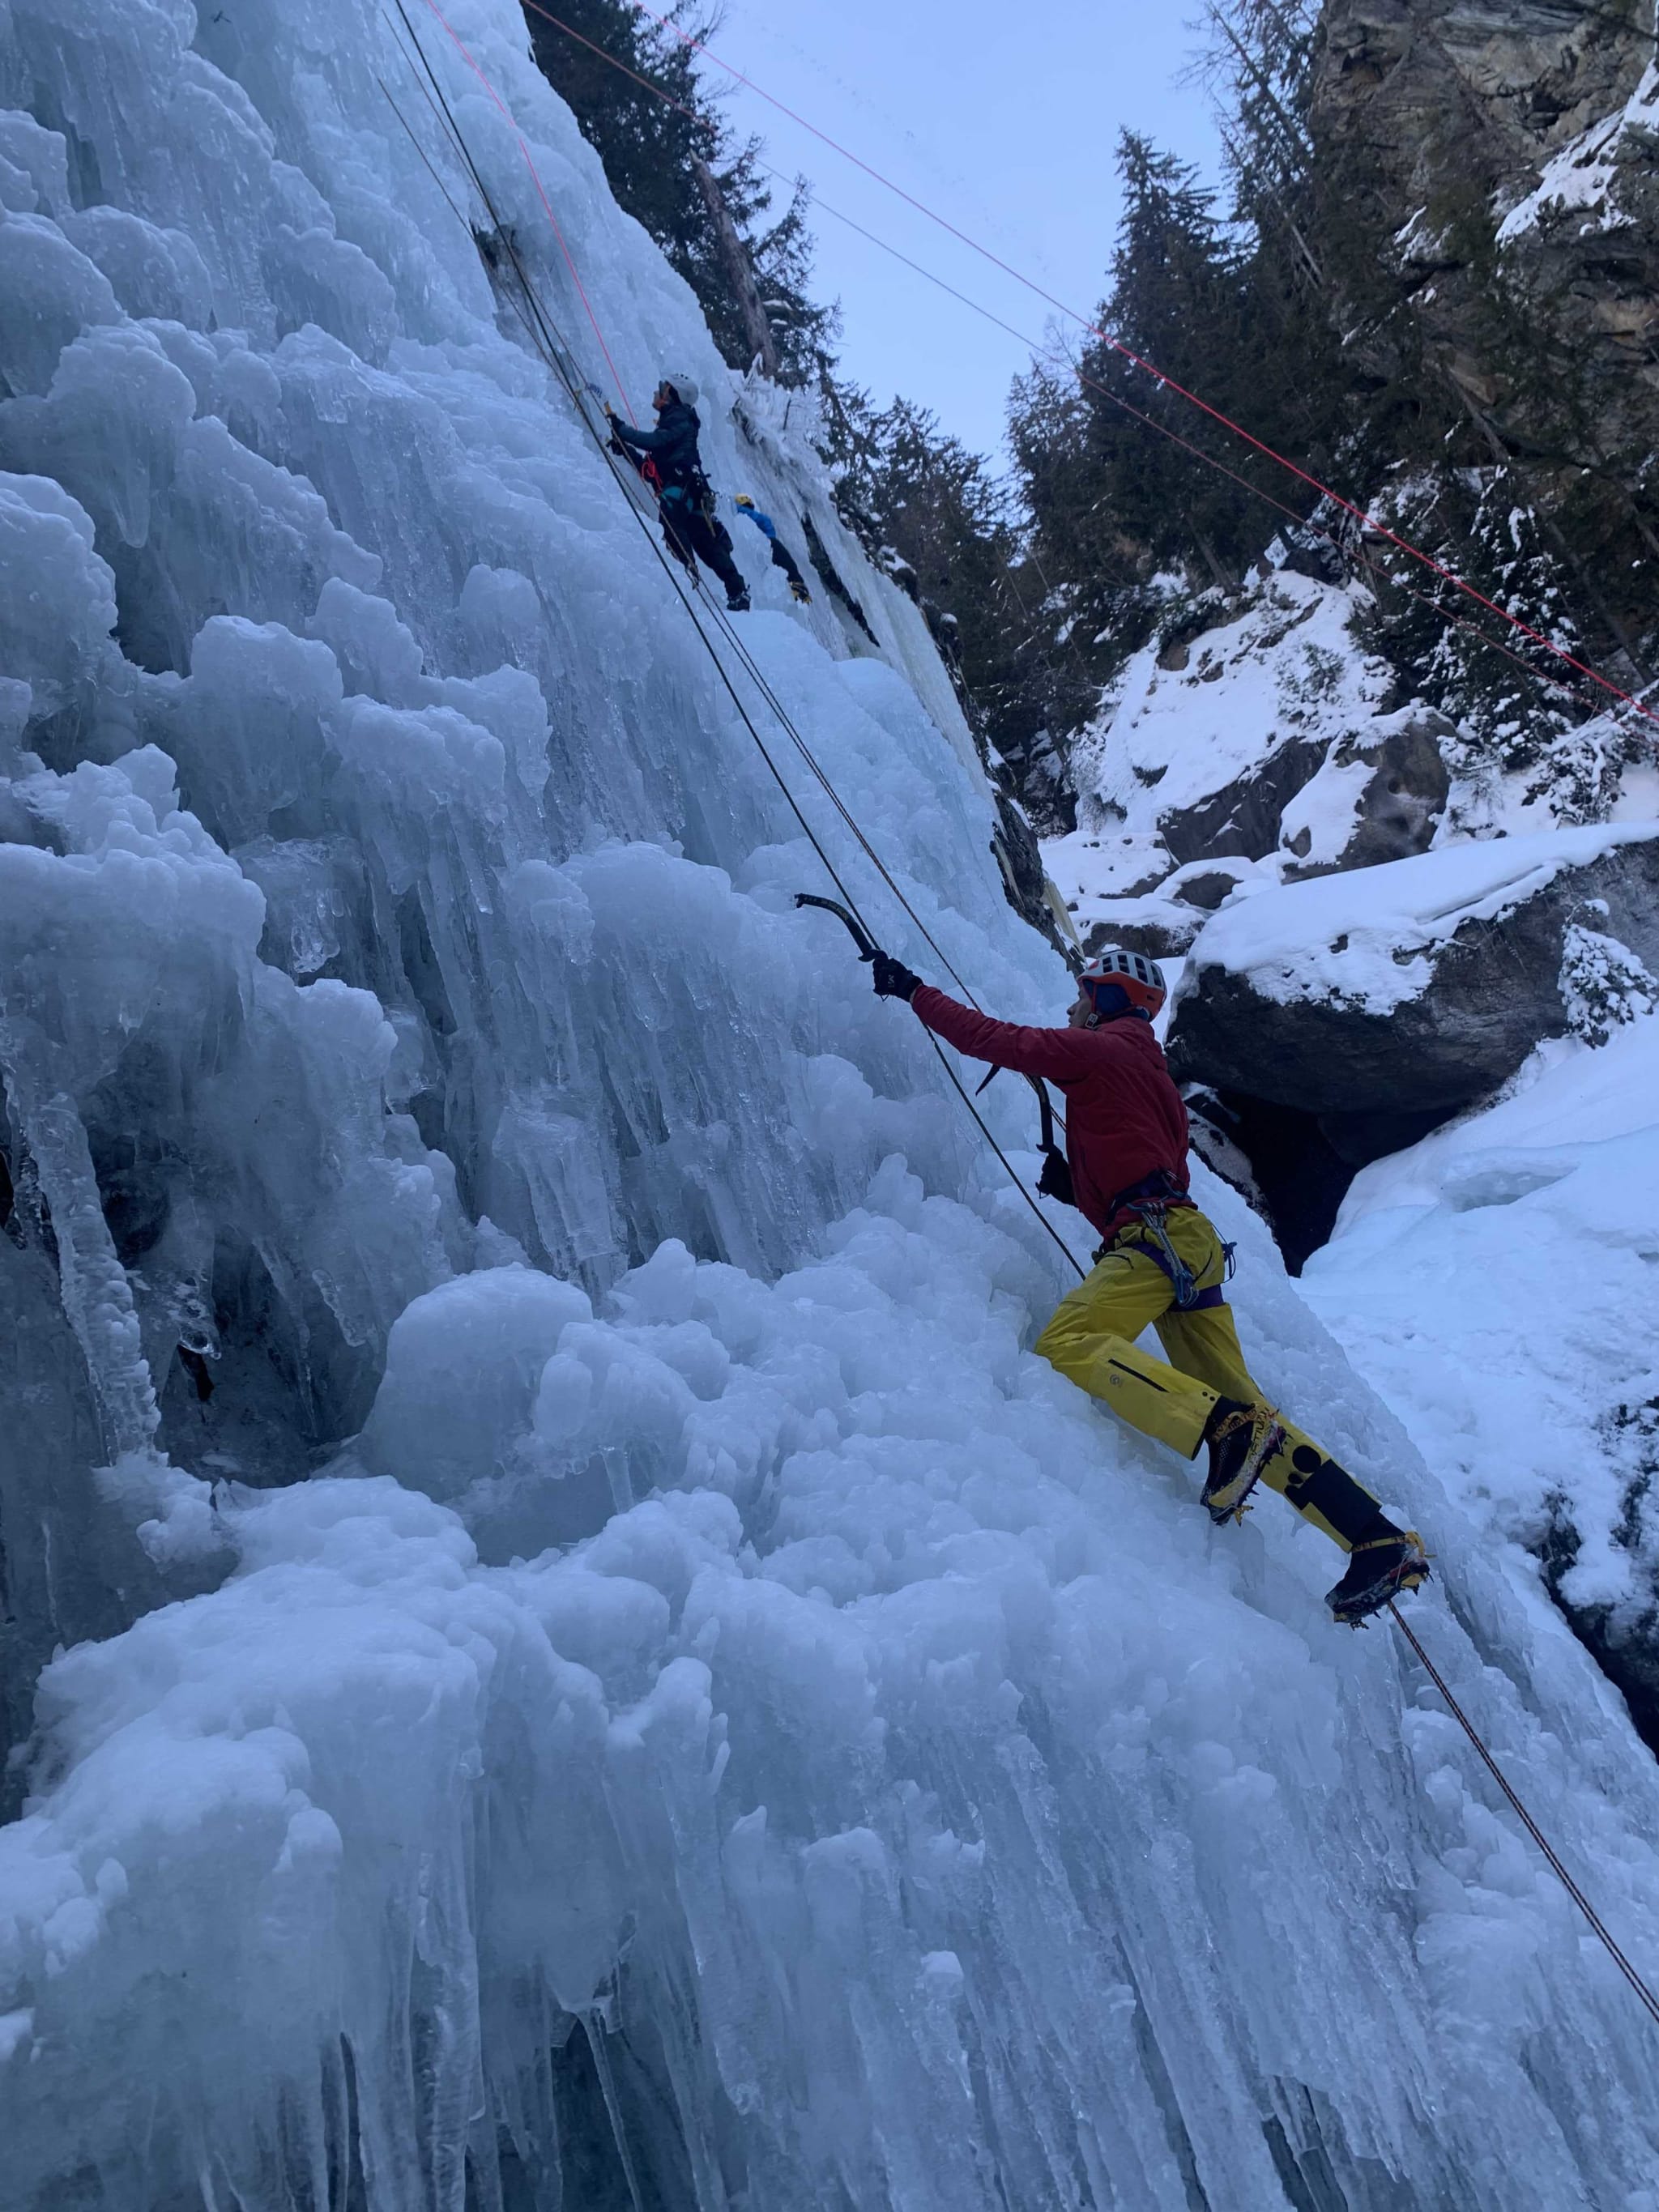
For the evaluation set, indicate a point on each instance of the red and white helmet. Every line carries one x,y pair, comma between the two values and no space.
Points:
1123,983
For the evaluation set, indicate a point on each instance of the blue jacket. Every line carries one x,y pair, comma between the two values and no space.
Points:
763,523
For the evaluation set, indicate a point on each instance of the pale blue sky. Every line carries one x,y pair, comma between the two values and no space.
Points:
1005,119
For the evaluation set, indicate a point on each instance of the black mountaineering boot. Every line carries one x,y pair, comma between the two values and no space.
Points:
736,603
1379,1569
1241,1439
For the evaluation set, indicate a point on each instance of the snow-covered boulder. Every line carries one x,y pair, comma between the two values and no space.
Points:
1410,989
1378,795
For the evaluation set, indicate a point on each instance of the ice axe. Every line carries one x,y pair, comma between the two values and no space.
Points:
1055,1180
855,929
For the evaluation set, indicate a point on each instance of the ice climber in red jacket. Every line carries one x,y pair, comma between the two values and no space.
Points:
1161,1260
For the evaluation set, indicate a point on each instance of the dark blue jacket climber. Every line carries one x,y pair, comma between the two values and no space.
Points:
673,445
691,533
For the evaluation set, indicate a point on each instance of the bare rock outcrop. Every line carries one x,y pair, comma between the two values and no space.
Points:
1500,164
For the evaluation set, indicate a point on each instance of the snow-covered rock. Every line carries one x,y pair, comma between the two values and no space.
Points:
1249,731
1412,988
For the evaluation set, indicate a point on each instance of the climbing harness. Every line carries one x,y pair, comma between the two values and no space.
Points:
1153,1215
1151,1201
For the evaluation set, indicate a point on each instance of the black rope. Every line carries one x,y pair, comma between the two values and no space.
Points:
551,348
554,351
1643,1991
723,621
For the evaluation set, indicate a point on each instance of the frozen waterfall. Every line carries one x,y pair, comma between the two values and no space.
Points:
563,1651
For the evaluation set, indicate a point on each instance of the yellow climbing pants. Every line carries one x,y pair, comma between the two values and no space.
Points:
1091,1339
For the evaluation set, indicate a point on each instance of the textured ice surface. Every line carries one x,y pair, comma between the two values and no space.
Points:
721,1724
915,1799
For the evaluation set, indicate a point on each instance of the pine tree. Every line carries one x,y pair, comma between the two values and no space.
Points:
676,167
933,516
1113,504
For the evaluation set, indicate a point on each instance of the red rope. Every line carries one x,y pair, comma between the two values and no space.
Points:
1237,429
541,190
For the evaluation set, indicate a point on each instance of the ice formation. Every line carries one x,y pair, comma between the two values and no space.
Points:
635,1689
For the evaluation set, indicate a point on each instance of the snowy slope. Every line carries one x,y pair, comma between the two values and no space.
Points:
723,1725
1191,717
1494,1283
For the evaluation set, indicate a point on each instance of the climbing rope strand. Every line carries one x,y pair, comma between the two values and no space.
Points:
1462,622
1356,556
1150,368
551,354
961,1090
551,346
554,351
430,90
723,621
454,207
1628,1971
747,659
535,177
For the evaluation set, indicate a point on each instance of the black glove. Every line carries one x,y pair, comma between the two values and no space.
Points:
1055,1180
893,979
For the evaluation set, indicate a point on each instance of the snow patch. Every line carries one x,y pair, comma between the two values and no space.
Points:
1363,937
1577,179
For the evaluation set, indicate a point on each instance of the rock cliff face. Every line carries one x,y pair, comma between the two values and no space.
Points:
1493,204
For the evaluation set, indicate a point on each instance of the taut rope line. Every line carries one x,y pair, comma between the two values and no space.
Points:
551,352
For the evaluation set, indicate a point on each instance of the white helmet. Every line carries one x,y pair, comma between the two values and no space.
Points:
685,385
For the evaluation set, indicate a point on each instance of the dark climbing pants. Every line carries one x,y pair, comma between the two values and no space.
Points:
784,559
690,537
